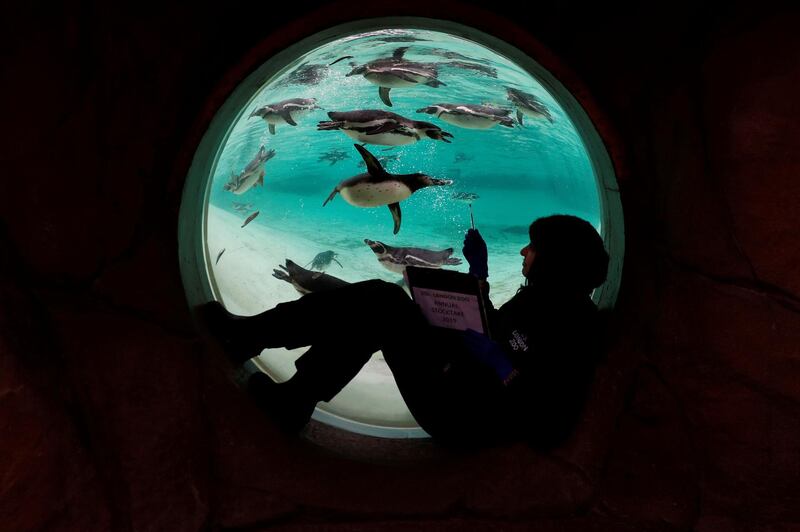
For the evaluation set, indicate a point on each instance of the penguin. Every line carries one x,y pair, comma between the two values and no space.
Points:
253,173
470,116
466,197
333,156
306,281
528,105
285,112
463,65
385,128
396,72
395,259
378,187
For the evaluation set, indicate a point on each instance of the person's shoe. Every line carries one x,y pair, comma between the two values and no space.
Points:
290,410
222,325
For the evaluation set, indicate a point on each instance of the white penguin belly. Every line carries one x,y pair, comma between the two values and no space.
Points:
393,82
375,194
246,183
467,121
527,111
391,265
382,139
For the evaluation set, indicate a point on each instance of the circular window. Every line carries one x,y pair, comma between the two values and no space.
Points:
504,142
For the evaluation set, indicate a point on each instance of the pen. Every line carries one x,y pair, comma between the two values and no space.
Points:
471,219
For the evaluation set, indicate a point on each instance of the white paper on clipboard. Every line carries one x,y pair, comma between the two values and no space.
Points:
448,298
449,309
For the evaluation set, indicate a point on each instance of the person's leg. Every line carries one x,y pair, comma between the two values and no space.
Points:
360,310
322,371
343,339
336,356
454,399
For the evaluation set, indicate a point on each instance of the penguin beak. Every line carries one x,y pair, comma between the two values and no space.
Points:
356,70
438,134
374,246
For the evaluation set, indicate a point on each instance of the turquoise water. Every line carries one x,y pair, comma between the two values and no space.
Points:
518,173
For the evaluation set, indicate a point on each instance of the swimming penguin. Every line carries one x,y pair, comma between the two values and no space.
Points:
305,74
528,105
382,127
470,116
396,72
333,156
322,260
306,281
242,208
466,197
396,259
285,112
378,187
463,65
253,173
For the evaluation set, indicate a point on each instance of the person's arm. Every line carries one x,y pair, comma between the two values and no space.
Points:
490,354
477,256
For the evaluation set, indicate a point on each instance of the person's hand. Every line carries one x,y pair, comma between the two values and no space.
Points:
488,353
475,252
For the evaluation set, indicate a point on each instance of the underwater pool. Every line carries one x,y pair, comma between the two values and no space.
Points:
501,171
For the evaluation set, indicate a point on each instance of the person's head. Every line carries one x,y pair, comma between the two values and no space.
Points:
565,253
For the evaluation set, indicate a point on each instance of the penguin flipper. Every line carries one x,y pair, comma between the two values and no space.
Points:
339,263
398,53
411,260
383,92
261,178
271,129
373,165
394,208
341,59
335,191
287,117
519,116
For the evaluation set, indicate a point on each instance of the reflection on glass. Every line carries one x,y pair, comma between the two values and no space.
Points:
442,130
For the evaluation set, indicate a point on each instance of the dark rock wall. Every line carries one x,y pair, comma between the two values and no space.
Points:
114,414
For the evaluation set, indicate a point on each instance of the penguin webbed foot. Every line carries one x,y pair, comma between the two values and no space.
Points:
394,208
383,92
331,196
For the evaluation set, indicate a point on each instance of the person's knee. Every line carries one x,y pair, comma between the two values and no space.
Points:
384,291
384,307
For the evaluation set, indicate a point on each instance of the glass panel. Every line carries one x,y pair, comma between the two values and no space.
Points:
505,172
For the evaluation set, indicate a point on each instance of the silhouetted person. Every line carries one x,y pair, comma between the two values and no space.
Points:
529,382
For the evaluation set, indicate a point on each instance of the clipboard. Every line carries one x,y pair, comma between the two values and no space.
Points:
447,298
